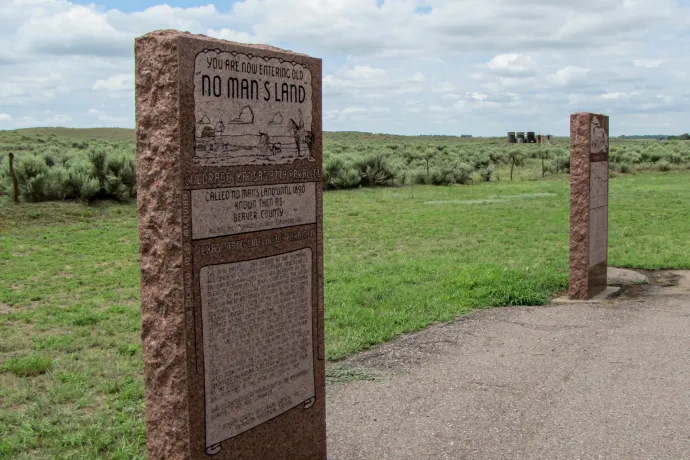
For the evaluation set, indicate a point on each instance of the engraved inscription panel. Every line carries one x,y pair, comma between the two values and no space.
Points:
598,214
257,336
251,110
598,235
228,211
598,192
598,184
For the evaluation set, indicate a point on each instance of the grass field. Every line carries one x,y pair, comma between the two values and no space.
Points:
396,260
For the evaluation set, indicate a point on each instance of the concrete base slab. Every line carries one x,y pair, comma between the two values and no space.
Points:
679,285
624,277
608,293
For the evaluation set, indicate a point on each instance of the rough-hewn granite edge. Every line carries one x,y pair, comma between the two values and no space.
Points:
579,205
160,244
177,33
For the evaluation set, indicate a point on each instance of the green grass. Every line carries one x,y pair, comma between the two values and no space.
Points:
70,294
396,260
29,365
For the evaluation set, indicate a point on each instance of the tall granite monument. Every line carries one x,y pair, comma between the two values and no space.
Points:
589,190
229,154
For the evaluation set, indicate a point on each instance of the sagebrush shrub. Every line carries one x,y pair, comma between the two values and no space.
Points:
462,173
439,176
487,173
128,176
481,161
375,171
57,186
627,168
99,161
60,168
337,174
29,166
82,178
559,163
675,158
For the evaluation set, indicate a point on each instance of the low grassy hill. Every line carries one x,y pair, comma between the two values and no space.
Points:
34,135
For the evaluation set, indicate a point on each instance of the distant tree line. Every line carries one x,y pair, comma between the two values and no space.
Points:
682,137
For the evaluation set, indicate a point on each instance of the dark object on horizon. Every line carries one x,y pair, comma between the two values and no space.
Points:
527,137
15,183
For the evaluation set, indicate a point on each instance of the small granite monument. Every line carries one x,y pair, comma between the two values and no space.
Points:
589,186
229,154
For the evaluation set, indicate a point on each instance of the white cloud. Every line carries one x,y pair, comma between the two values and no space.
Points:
10,90
231,35
121,82
105,118
511,64
60,27
58,119
616,95
445,87
23,88
28,120
407,66
371,82
568,76
49,118
648,63
354,113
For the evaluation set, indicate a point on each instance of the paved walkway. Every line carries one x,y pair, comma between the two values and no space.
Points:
562,382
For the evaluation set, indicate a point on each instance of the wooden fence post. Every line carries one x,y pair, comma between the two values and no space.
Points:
15,184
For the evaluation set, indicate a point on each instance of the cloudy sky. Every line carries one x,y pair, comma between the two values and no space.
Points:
397,66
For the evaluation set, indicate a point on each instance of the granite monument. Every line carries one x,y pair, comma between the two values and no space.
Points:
589,185
229,155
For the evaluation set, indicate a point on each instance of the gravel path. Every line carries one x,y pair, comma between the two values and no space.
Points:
608,380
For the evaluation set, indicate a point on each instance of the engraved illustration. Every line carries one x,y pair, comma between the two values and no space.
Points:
599,138
251,110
